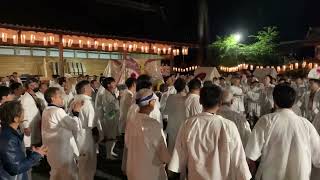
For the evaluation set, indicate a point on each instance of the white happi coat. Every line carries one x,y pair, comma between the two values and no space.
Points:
40,95
176,111
110,115
87,148
266,100
127,99
57,135
210,147
253,97
98,104
240,121
238,99
193,106
32,119
287,144
303,103
146,149
67,98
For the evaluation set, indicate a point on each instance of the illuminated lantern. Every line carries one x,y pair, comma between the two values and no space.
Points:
304,64
103,46
80,43
15,39
45,41
169,50
278,68
296,65
32,38
315,65
70,42
110,47
4,37
135,46
88,44
51,39
124,46
115,46
284,67
23,38
96,44
130,48
164,50
159,51
310,65
154,49
146,49
64,43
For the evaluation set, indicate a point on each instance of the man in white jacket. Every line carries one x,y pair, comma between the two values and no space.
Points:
57,135
193,106
286,144
85,138
32,124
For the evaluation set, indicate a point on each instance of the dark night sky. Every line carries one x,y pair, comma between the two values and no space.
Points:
293,17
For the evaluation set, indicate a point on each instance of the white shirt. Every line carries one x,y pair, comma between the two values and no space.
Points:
176,112
32,119
57,134
210,147
40,95
126,100
67,98
240,121
147,152
238,104
193,106
287,144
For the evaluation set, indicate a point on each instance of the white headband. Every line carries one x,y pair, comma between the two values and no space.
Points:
144,101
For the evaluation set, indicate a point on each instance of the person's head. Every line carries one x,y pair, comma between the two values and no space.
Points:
284,96
31,84
236,80
267,80
299,81
15,74
144,81
5,94
83,87
62,81
211,97
282,80
94,77
109,84
222,80
194,85
17,89
314,84
227,98
54,96
163,88
11,114
55,77
146,100
170,81
180,85
43,87
131,84
95,84
101,79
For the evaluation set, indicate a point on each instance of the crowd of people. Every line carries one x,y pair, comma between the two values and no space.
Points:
237,127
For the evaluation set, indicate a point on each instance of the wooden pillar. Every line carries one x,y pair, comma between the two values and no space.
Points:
61,60
203,30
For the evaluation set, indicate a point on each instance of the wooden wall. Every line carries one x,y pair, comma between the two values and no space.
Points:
35,65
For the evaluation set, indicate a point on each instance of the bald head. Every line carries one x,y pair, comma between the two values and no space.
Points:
227,97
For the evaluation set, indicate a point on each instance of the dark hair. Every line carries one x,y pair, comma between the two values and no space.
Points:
163,87
107,81
93,81
284,95
211,96
180,85
29,81
14,73
144,81
315,80
9,110
62,80
207,84
80,86
4,91
51,91
194,84
130,82
14,86
101,79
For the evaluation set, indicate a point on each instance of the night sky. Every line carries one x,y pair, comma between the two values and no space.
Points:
176,20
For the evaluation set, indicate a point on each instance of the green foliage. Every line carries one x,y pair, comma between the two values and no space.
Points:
262,51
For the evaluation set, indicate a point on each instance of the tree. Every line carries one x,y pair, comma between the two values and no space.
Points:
262,51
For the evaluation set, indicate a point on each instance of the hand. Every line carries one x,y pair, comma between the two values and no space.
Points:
41,150
77,105
27,131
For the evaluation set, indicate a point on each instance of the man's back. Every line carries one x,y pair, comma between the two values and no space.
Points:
210,147
287,144
193,106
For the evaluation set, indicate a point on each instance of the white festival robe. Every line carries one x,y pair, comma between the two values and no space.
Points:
146,149
32,119
176,112
58,135
193,106
210,147
287,144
